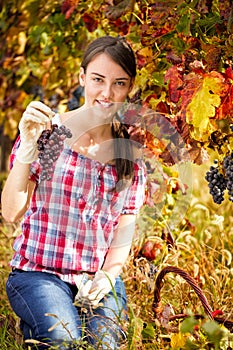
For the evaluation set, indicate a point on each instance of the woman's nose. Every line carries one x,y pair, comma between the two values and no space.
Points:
107,91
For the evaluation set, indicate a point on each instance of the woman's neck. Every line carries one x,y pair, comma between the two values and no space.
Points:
89,138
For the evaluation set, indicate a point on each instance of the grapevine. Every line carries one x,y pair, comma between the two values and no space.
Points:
50,145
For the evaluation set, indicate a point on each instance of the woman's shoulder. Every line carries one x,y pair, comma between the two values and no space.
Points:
66,115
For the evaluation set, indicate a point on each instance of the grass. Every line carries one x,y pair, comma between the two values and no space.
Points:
203,248
10,335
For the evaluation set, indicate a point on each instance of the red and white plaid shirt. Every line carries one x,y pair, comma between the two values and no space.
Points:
71,220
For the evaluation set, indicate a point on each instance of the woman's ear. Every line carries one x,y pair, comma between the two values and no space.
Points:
82,77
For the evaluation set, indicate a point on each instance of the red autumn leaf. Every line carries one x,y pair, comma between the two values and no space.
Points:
68,7
229,73
197,67
192,82
123,26
148,252
179,123
141,61
226,107
159,32
174,77
70,11
90,23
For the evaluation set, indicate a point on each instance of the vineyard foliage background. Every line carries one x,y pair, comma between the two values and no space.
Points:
184,51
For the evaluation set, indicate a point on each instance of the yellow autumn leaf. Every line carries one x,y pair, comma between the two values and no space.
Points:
202,107
155,101
142,77
215,82
22,40
146,52
178,340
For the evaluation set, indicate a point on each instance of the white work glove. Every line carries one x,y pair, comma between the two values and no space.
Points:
84,285
102,284
34,120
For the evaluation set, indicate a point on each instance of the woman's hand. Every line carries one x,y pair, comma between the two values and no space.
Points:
83,284
102,284
91,292
34,120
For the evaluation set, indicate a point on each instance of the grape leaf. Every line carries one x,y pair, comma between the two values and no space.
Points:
90,23
173,75
226,108
184,24
204,103
117,10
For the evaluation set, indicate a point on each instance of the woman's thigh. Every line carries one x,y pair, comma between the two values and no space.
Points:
104,323
44,304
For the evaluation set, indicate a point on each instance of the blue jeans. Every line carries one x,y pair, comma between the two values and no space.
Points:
44,304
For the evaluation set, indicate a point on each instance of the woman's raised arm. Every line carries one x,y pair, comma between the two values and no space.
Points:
18,189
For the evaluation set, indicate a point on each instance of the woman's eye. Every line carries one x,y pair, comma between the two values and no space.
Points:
120,83
97,79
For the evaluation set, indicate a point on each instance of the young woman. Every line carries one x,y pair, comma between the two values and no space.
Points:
77,227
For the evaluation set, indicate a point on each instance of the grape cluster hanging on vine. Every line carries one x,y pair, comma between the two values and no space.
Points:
220,179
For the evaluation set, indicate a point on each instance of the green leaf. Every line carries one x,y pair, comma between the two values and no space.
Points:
157,78
214,331
188,324
149,331
35,34
184,24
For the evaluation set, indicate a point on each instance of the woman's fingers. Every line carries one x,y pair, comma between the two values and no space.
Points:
34,116
36,112
41,107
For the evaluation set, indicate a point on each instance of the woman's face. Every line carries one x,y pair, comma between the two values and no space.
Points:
105,82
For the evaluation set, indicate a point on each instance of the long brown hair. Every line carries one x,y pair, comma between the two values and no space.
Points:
120,52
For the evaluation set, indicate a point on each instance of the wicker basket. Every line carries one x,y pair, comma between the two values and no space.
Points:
157,306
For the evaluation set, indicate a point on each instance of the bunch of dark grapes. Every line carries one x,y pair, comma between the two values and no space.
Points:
50,145
217,184
228,167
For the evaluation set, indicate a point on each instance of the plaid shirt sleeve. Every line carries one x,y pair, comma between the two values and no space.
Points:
136,193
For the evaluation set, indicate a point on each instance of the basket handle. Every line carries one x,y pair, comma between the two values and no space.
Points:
187,278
